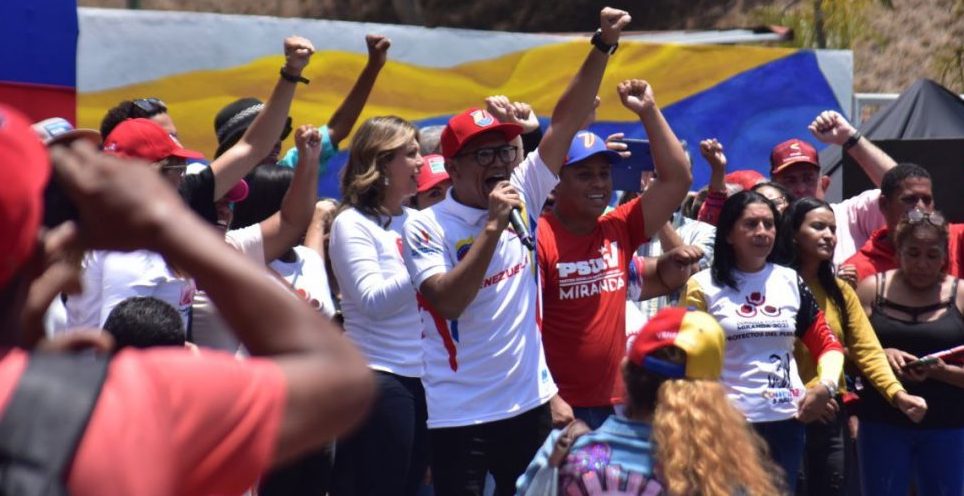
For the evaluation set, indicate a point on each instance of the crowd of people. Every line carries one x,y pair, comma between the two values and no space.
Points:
478,312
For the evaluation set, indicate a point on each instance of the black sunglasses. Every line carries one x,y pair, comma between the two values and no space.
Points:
150,106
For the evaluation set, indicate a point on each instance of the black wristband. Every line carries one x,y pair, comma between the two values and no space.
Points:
852,141
601,45
292,79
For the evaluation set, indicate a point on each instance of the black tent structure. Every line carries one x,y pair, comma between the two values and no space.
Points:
924,125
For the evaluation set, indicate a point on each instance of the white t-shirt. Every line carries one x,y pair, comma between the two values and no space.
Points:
111,277
489,364
308,278
759,319
208,328
857,218
377,298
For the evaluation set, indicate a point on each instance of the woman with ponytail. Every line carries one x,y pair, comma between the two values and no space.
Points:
680,435
806,242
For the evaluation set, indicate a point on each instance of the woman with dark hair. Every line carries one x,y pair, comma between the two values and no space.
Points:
764,308
680,435
388,454
916,310
806,242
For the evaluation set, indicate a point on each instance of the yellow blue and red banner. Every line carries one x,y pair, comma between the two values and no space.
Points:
749,97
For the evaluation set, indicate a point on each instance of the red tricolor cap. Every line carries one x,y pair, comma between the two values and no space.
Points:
469,124
698,334
791,152
146,140
746,178
24,172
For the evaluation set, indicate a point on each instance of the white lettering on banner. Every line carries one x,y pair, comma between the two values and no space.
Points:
585,278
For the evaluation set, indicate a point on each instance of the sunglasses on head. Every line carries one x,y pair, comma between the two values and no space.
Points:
917,216
150,106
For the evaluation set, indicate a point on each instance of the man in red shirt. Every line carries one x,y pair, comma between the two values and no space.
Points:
587,260
904,188
168,421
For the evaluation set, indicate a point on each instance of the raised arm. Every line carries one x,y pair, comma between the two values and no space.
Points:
673,177
265,132
343,120
712,151
578,99
327,382
833,129
284,228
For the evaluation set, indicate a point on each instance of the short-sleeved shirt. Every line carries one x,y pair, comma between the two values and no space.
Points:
585,280
759,320
857,219
488,364
168,421
110,277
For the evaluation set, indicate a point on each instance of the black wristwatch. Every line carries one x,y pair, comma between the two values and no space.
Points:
291,78
603,47
851,141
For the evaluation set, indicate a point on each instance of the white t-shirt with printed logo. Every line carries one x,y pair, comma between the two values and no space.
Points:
377,297
308,278
111,277
489,364
759,319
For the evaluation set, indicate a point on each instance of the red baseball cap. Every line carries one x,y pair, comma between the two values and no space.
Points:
24,172
791,152
432,172
146,140
698,334
746,178
469,124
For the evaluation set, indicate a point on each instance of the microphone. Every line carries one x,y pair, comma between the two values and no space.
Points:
515,219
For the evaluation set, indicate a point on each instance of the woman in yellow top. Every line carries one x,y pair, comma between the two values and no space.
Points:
806,242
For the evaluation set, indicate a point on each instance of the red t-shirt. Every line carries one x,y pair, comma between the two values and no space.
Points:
877,254
584,303
168,421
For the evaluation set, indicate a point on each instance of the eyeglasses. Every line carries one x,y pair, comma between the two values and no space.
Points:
917,216
486,156
150,106
778,201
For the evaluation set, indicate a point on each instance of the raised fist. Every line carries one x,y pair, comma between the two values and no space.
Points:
378,46
298,52
636,95
831,128
611,22
712,151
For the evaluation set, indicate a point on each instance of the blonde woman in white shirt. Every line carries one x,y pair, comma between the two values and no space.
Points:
388,454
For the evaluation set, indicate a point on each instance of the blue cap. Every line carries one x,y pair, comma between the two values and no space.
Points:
585,144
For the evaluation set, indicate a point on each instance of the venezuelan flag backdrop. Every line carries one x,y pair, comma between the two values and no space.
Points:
748,97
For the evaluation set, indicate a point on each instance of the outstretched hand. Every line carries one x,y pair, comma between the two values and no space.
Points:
378,46
636,95
506,110
298,53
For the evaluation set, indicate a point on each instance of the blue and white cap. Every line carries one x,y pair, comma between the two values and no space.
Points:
586,144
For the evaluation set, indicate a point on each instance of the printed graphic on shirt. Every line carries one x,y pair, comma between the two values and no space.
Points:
462,247
422,244
449,336
779,386
589,470
756,306
585,278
